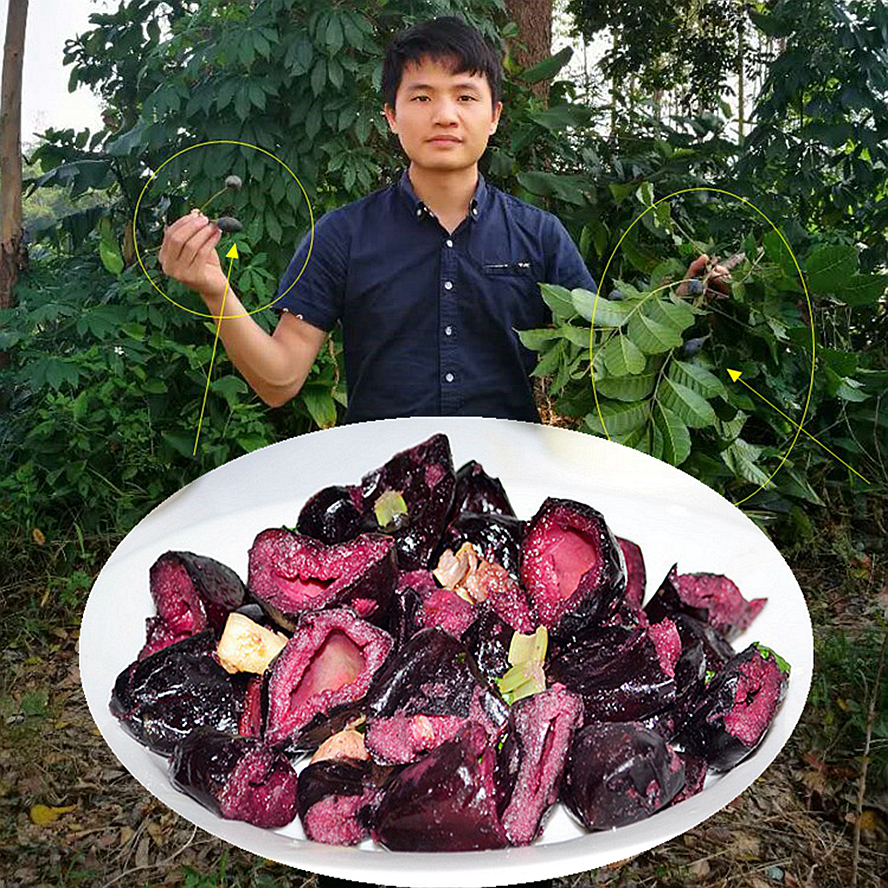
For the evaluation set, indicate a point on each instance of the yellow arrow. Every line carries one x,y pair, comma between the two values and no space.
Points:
735,376
232,255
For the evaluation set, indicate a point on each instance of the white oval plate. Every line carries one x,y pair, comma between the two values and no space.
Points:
672,516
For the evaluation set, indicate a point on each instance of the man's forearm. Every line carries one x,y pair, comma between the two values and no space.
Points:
265,363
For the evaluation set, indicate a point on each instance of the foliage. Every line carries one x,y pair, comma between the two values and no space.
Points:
660,364
682,44
106,390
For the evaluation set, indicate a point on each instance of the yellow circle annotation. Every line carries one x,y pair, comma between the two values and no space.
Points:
804,287
203,314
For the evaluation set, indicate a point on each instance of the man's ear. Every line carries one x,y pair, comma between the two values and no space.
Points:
390,117
498,109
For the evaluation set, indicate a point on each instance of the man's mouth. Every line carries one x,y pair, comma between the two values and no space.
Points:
445,139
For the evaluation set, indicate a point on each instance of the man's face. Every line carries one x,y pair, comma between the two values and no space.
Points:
434,107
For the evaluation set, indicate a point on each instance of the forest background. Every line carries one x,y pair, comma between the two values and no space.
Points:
784,104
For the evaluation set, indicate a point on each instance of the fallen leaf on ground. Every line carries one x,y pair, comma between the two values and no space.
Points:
43,814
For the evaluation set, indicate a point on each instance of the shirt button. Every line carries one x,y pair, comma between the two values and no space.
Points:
448,330
448,285
449,242
419,212
449,377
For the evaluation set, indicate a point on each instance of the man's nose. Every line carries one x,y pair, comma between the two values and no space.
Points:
445,110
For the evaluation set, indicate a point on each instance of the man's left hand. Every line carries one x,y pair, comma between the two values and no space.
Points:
716,280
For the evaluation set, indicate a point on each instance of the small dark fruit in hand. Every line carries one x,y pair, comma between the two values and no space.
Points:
229,224
695,287
234,183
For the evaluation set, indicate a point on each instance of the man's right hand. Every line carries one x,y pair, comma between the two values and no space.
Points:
188,254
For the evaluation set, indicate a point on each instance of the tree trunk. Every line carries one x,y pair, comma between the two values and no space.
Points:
13,255
534,20
741,53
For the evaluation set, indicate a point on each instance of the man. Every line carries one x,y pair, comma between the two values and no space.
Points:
430,276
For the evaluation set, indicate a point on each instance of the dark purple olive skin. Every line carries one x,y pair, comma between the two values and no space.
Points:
204,767
331,515
205,694
618,774
595,599
598,667
496,538
705,732
476,491
425,478
445,801
229,224
432,674
488,640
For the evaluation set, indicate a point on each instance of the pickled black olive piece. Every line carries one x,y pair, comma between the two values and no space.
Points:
476,491
711,598
572,566
717,651
329,662
619,773
424,477
496,538
291,574
444,802
337,798
192,593
238,778
736,709
635,572
531,762
161,699
618,672
332,515
424,695
488,640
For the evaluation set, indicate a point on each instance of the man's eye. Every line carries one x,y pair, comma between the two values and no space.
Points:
469,97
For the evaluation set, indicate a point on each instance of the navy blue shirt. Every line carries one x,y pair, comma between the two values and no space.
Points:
429,317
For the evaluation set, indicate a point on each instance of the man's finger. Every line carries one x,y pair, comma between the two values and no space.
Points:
197,241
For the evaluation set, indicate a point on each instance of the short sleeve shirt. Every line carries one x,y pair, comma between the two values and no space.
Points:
430,318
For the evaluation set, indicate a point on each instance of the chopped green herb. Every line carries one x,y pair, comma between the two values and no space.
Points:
710,674
766,652
388,507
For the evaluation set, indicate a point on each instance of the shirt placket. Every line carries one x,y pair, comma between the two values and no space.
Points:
449,332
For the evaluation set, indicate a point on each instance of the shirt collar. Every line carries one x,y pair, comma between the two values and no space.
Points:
420,209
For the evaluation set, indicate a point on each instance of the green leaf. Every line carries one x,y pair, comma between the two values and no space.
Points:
559,301
651,336
829,268
696,378
862,289
693,409
675,314
676,437
607,313
627,388
181,442
619,418
776,251
334,36
319,402
547,68
739,458
622,356
154,386
319,76
535,340
230,387
110,256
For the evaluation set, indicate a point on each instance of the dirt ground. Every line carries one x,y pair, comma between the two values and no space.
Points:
99,827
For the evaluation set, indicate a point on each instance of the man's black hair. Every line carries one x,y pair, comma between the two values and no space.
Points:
446,37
